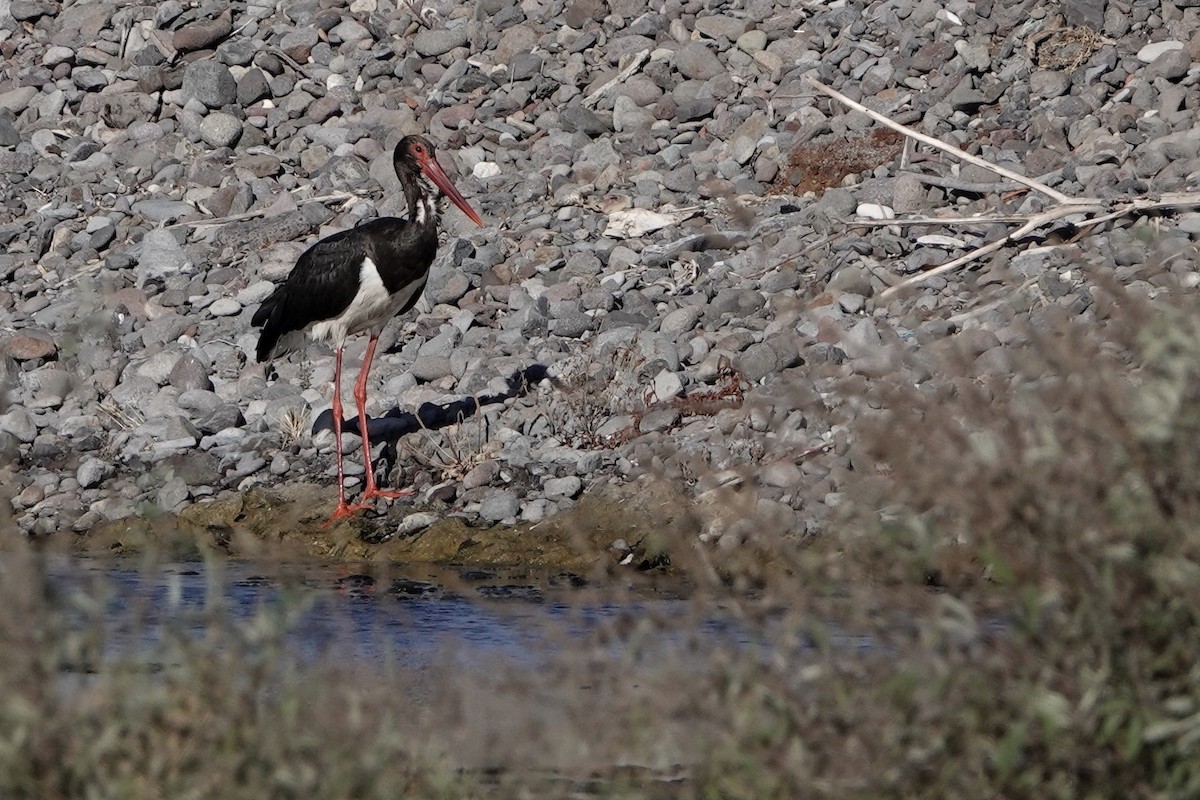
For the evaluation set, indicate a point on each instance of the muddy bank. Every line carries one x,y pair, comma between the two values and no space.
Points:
634,530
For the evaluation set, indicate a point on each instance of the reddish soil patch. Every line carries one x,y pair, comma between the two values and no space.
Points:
817,166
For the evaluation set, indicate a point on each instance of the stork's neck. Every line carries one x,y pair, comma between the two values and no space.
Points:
423,207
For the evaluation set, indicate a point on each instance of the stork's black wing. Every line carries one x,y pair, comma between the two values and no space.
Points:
321,286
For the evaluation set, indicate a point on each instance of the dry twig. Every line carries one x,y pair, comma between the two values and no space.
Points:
634,64
953,151
335,197
1089,211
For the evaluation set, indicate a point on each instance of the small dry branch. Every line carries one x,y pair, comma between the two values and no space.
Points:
634,64
1082,213
950,149
335,197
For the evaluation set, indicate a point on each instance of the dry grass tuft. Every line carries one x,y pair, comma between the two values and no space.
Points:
124,418
293,424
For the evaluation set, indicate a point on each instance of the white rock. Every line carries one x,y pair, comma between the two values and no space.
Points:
613,280
1155,49
667,385
416,522
255,292
636,222
486,169
57,54
938,240
875,211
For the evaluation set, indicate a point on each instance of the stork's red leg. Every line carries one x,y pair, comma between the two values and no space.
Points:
343,509
360,396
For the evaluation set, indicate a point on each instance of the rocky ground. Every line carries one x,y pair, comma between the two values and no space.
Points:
670,284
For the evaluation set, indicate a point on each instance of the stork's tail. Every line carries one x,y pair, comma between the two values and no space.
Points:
269,317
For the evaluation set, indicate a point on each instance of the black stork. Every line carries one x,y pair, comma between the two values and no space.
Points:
355,281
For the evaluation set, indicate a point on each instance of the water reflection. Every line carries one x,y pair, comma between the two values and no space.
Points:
418,620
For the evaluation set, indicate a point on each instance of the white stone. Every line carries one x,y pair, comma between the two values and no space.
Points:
486,169
667,385
416,522
1155,49
875,211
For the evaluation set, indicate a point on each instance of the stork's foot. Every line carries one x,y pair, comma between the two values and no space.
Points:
344,509
374,492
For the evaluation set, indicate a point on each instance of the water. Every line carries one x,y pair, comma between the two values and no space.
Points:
419,618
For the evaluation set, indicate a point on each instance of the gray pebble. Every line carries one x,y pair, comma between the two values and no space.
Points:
189,372
681,320
57,54
757,361
667,385
19,423
1172,65
569,487
439,41
696,61
29,10
173,495
220,130
720,25
1155,50
415,523
162,210
210,82
92,472
481,474
662,419
500,504
225,307
575,117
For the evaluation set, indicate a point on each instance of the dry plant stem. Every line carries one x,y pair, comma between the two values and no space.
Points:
290,61
965,316
335,197
90,269
415,8
1067,206
905,221
1029,227
1140,205
629,69
950,150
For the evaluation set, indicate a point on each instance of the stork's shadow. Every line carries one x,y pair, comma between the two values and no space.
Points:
432,416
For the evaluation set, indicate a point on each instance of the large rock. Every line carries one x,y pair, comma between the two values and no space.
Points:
160,255
210,82
439,41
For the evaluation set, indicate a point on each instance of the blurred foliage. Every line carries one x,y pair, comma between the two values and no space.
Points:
1055,518
1009,608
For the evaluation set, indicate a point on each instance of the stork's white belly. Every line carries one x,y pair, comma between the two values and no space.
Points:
370,310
